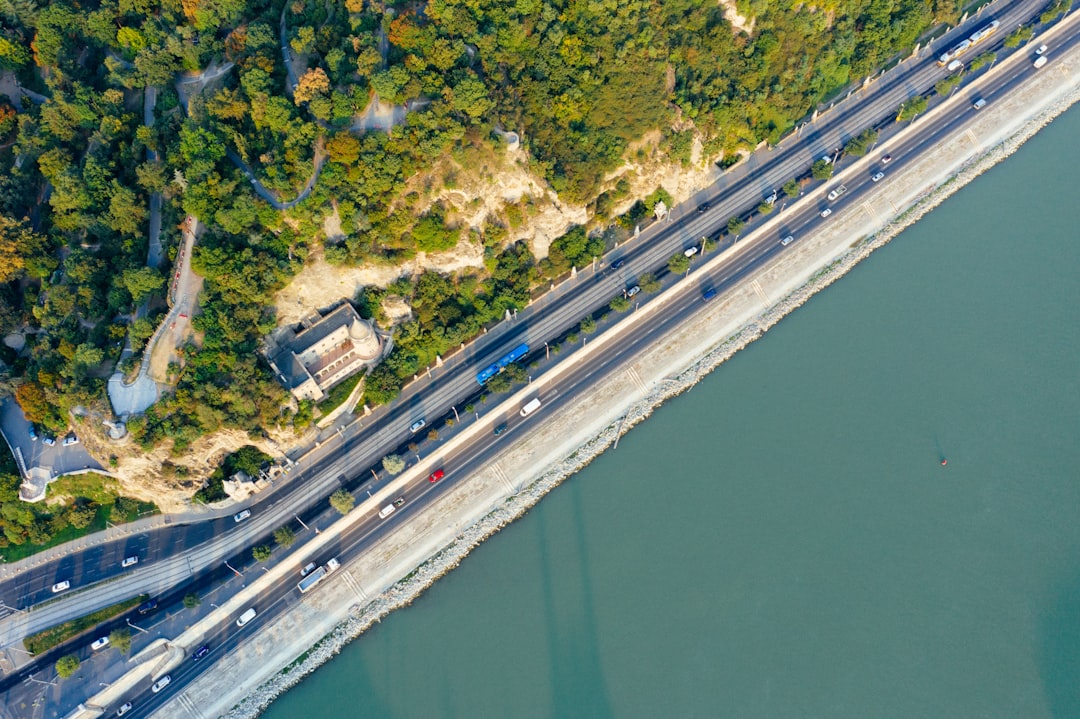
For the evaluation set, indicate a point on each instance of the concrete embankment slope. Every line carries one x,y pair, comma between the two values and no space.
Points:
437,538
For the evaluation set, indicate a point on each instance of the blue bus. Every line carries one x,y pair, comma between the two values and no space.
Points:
495,368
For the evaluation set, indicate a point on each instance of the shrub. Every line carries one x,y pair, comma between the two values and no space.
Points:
342,500
67,665
260,552
393,463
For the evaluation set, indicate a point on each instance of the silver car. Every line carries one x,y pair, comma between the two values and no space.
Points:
161,684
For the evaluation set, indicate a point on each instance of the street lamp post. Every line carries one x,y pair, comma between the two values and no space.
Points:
13,609
140,628
301,521
237,573
456,418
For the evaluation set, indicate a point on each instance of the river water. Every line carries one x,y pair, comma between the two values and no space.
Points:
782,541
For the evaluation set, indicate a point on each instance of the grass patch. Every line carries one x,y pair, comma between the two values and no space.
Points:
49,638
339,393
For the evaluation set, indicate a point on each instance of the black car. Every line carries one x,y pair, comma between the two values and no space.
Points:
618,263
703,208
200,652
500,429
147,606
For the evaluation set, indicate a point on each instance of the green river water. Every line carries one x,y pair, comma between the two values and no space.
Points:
782,540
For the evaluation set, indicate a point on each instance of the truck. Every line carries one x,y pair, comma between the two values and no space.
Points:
317,576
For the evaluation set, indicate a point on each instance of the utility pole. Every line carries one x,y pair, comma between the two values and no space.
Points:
237,573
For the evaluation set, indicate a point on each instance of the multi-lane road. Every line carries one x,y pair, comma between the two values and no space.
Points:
175,553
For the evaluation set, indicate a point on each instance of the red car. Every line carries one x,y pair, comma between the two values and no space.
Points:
436,476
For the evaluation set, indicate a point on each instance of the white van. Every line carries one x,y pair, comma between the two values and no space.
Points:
386,511
532,406
246,617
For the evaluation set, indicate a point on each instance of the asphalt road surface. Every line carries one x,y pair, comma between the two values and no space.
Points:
176,554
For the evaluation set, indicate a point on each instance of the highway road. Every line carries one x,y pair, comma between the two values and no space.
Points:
176,554
430,397
474,454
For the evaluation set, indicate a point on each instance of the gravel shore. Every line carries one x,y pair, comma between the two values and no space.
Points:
679,365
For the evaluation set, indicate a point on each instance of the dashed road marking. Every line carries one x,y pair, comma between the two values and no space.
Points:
760,292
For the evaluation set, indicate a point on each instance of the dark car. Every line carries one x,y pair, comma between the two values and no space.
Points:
703,208
500,429
148,606
200,652
618,263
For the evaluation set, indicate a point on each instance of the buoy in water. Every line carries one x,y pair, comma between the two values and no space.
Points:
944,461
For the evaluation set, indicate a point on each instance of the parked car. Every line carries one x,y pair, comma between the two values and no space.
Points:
161,684
241,516
436,476
61,586
123,710
70,440
200,652
417,426
48,441
690,252
632,291
100,643
32,432
877,176
129,562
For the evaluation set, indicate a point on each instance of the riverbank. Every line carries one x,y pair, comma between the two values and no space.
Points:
732,322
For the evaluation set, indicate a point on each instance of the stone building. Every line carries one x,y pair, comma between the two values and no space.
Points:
324,350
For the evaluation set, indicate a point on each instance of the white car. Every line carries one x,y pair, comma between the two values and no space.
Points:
70,440
241,516
826,212
632,291
877,176
100,643
161,684
787,240
1041,50
123,710
417,426
129,562
61,586
690,252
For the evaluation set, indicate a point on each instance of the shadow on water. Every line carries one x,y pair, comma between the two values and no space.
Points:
577,680
1059,651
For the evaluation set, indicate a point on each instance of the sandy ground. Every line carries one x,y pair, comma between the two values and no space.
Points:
438,538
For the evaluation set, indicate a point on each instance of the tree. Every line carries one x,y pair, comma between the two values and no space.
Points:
791,188
619,304
822,169
588,326
284,536
342,500
260,552
313,82
80,517
191,600
911,108
735,225
142,282
67,665
678,263
393,463
18,242
649,283
861,144
765,208
121,639
944,87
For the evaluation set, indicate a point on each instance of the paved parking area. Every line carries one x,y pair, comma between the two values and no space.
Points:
33,453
